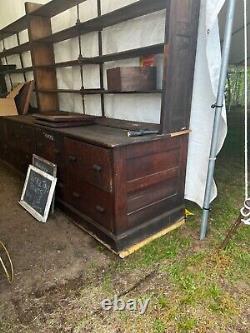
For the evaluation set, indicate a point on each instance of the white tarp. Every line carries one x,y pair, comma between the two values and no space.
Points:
206,81
143,31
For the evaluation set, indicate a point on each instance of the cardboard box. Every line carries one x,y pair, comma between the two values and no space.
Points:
7,104
129,79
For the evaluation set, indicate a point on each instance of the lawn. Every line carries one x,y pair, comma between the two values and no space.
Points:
192,286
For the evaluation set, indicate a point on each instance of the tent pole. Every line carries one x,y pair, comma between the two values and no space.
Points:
217,117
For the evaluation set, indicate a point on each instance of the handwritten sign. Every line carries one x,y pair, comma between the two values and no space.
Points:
47,167
38,192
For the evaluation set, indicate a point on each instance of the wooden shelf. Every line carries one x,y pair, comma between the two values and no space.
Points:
55,7
50,9
156,91
16,50
95,91
6,68
133,53
137,9
19,70
17,26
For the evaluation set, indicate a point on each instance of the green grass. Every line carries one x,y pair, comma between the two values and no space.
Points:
159,326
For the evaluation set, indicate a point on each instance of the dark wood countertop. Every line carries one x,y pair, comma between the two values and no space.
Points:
108,133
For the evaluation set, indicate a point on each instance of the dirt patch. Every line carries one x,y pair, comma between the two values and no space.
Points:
49,259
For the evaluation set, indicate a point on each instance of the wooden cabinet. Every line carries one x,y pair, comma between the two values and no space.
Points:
120,189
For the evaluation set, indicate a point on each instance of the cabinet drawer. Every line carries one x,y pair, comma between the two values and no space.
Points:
21,137
47,145
89,164
91,201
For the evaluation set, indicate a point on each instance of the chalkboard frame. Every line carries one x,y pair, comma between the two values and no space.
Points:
36,159
41,218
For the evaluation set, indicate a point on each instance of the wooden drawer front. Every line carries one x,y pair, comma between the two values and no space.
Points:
90,163
91,201
144,166
21,137
47,145
50,147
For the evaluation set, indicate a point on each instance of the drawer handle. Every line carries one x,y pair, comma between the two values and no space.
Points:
72,158
76,195
97,168
60,185
57,151
100,209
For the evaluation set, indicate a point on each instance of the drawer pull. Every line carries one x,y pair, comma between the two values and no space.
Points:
72,158
57,151
97,168
60,185
100,209
76,195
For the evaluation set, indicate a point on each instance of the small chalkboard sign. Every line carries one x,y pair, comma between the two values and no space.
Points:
48,167
44,165
38,191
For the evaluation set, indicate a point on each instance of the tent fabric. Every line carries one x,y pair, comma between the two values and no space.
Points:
206,79
237,48
142,31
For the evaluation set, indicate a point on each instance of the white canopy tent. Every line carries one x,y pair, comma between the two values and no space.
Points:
142,32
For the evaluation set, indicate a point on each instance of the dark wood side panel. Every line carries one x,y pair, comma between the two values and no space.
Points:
180,52
155,177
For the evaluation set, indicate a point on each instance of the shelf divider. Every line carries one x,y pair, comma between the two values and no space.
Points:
40,27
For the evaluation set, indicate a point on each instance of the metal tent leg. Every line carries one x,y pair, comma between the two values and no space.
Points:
217,117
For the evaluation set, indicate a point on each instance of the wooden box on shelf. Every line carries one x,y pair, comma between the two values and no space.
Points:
131,79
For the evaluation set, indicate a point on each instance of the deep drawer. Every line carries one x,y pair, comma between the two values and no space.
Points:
91,201
89,164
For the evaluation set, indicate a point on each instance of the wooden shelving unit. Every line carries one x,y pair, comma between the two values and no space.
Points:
179,50
44,13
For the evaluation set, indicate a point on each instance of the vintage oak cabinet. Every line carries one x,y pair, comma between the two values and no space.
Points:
121,189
